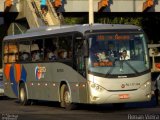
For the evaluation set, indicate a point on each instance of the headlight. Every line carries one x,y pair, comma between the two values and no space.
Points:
147,83
96,87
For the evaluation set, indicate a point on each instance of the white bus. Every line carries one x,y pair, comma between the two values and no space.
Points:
97,64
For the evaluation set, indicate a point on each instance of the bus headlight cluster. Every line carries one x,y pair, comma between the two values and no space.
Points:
96,87
148,83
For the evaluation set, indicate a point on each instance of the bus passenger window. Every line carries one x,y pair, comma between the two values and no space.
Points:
5,59
35,53
24,51
65,47
37,50
51,52
13,52
24,56
5,52
51,55
35,56
62,54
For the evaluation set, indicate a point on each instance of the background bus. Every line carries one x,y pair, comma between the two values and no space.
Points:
96,64
154,53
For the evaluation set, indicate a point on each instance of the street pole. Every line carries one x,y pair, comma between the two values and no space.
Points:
91,12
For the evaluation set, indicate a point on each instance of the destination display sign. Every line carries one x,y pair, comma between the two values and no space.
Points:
114,37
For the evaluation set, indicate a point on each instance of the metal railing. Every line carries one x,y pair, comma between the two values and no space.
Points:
30,14
38,12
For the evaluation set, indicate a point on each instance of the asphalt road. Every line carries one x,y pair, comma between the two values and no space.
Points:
10,109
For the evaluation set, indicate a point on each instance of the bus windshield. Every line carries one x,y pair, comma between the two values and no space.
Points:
118,54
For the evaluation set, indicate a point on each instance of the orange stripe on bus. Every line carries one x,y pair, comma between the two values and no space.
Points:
18,72
7,70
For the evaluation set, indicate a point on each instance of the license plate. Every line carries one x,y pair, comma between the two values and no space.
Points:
123,96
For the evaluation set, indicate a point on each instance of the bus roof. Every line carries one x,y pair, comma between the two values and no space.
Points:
48,30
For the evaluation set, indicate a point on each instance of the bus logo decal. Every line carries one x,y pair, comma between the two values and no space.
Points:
39,72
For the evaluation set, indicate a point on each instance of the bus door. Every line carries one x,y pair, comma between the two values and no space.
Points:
79,56
79,65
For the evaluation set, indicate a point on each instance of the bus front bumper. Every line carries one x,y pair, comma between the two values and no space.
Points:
104,96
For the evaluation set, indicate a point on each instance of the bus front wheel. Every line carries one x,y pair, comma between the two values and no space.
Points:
66,98
23,95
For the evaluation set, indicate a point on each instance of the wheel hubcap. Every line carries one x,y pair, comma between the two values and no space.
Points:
22,94
67,97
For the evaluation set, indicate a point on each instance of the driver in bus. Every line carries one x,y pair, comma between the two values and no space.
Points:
124,55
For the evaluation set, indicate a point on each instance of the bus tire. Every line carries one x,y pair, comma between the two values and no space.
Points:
66,98
23,95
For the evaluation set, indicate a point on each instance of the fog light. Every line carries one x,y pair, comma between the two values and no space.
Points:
93,98
148,96
148,83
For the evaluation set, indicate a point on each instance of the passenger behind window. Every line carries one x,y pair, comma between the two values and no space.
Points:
24,52
36,56
36,52
24,56
62,54
51,55
69,54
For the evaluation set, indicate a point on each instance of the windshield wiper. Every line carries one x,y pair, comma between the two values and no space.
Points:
131,67
111,69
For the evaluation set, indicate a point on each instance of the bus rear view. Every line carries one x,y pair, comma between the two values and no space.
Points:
118,66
